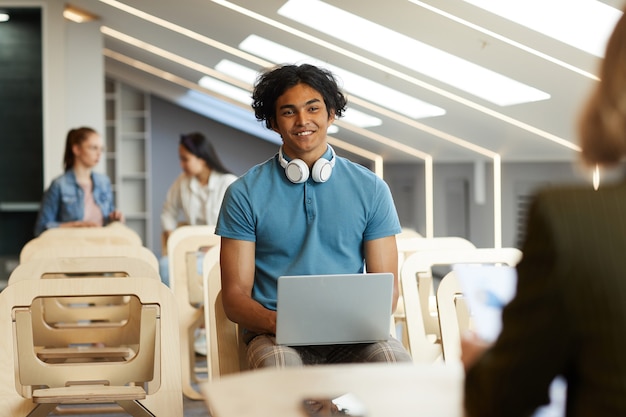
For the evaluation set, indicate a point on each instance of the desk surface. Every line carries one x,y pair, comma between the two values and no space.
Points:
385,389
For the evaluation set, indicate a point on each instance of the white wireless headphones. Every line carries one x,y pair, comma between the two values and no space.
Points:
297,170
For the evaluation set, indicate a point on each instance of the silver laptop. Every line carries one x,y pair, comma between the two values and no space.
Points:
334,309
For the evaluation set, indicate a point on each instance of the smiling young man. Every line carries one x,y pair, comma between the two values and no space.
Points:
305,211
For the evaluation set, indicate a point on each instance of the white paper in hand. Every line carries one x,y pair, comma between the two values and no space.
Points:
487,288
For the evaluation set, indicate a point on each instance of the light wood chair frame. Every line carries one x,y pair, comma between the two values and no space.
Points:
46,249
186,285
227,351
116,231
416,280
164,399
453,316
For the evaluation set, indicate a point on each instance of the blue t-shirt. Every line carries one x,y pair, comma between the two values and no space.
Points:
307,228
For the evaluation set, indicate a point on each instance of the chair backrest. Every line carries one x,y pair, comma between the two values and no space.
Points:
155,330
71,311
184,247
70,249
100,265
115,232
453,315
226,349
183,241
33,372
417,286
408,245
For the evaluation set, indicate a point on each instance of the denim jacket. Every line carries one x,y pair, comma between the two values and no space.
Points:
64,200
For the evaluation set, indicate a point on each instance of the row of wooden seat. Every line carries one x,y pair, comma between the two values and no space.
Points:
97,330
418,315
198,298
420,309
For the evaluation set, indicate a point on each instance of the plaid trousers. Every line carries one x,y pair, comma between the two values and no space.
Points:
263,352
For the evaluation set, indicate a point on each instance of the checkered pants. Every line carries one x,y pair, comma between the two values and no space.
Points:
263,352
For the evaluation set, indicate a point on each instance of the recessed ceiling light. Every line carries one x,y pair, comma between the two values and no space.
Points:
583,24
411,53
238,71
352,83
226,89
4,17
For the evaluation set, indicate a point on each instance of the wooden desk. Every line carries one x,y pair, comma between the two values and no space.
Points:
401,390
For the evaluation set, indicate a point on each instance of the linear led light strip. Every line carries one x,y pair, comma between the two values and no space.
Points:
401,75
243,55
201,68
376,158
172,57
140,65
216,74
184,31
165,75
428,167
506,40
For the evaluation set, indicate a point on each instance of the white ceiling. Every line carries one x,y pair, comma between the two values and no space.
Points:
516,133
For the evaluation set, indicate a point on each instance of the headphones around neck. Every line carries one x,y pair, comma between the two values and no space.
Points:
297,170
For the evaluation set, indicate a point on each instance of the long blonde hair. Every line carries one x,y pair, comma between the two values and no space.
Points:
602,125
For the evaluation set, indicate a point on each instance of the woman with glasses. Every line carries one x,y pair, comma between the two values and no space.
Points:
80,197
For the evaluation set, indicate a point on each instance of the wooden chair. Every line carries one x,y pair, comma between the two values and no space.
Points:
62,320
100,265
116,231
409,243
186,283
47,250
146,385
453,316
227,352
418,294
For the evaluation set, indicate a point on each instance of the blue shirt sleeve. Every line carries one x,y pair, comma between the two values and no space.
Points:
235,220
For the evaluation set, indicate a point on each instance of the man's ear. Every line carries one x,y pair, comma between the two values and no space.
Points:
331,116
274,126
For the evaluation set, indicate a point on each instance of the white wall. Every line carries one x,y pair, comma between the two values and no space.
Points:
73,77
84,77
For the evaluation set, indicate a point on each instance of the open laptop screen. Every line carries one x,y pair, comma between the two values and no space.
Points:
334,309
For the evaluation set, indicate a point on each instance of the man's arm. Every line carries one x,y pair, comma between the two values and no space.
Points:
237,265
381,255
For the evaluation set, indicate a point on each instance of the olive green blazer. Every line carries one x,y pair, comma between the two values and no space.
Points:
569,313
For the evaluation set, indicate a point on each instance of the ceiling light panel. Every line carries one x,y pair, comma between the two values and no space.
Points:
583,24
226,89
411,53
352,83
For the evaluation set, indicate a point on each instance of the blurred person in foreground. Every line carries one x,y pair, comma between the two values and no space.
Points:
569,313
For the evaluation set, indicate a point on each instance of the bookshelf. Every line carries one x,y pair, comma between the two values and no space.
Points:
128,154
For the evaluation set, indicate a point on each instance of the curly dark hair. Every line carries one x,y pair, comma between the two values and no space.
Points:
271,84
